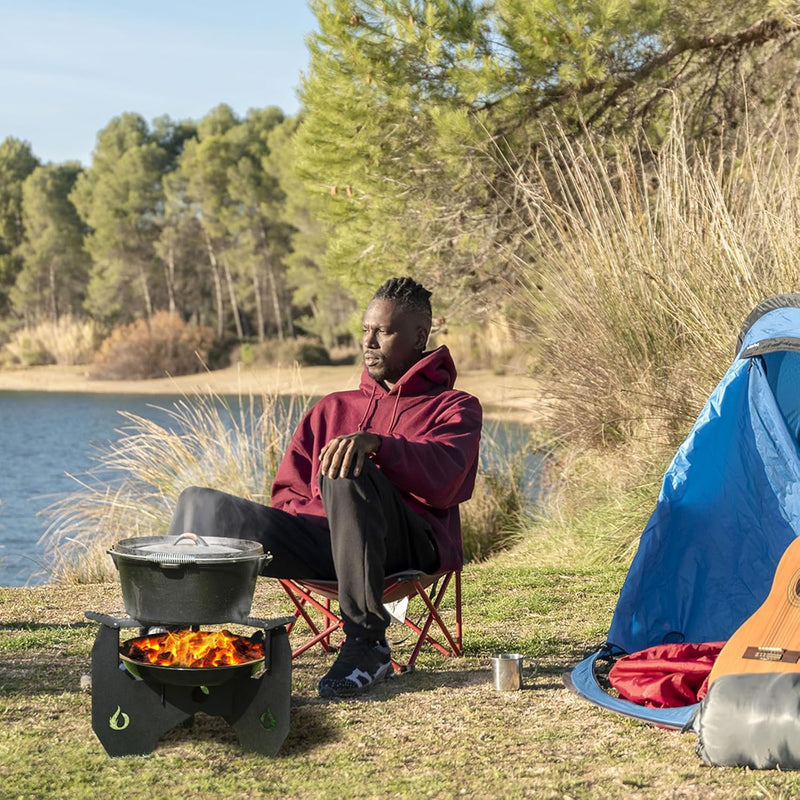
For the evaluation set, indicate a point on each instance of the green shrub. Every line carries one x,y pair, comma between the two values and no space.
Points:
310,354
247,354
165,346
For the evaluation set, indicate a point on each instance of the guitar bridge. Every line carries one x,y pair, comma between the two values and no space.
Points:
777,654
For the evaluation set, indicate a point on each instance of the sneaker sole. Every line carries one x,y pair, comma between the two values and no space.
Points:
383,675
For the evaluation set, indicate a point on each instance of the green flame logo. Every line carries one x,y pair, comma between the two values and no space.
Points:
119,720
268,720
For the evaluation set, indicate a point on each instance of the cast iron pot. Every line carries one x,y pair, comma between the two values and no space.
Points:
188,579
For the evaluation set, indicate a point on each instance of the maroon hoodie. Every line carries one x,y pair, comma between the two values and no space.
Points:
430,434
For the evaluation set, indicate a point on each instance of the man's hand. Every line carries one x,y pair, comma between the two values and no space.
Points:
339,454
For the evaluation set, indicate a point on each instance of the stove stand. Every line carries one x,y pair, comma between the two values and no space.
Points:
129,714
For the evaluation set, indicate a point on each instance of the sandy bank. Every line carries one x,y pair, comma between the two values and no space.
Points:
502,396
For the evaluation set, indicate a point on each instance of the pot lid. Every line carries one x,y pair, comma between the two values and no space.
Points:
187,548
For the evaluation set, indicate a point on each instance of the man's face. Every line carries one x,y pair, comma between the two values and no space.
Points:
392,340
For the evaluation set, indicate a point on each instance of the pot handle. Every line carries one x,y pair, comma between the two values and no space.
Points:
190,537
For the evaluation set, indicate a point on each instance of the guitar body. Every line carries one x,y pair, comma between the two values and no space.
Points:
769,640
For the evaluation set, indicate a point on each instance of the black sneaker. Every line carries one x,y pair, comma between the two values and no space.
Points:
359,666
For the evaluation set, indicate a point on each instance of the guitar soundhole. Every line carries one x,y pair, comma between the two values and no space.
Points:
794,590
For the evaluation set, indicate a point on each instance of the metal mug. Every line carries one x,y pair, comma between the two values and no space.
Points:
507,672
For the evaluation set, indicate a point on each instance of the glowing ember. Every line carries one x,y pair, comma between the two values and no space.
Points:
187,648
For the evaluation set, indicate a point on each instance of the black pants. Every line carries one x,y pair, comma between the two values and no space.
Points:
371,533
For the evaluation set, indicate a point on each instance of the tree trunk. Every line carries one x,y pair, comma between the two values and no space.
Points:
259,302
289,321
148,301
234,305
53,292
276,302
212,259
273,286
169,271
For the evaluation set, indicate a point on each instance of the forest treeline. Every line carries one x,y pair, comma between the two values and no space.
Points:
424,146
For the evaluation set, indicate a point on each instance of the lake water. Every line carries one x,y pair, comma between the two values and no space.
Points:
47,437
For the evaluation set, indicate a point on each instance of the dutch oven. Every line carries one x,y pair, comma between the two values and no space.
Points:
188,579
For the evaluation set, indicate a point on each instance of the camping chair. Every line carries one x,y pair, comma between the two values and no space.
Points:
313,604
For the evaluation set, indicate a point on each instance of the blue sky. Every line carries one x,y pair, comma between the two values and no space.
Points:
67,67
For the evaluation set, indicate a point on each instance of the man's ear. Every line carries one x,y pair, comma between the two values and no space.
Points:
422,338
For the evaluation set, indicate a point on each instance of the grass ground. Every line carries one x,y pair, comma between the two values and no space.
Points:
441,731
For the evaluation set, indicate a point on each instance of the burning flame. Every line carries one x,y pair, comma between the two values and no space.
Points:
187,648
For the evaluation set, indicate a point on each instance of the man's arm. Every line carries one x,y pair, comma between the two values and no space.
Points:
293,478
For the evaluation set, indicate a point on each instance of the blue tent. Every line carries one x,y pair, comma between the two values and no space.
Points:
729,506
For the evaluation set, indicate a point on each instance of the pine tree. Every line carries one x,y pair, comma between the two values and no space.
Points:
17,161
418,114
120,198
325,308
55,267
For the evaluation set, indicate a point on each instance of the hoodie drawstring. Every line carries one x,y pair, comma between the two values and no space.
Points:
369,405
394,410
366,409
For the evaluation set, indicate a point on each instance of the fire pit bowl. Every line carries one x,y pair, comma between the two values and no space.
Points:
190,676
187,579
132,656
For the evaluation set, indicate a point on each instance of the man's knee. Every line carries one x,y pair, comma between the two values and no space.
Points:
188,493
343,492
193,496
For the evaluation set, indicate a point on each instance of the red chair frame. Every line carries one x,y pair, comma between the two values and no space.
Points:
318,614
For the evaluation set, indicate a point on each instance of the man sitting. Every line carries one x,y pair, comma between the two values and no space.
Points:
370,484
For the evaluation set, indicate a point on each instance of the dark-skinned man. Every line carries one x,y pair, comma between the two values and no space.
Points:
370,484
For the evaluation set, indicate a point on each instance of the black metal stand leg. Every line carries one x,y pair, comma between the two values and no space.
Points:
261,707
128,716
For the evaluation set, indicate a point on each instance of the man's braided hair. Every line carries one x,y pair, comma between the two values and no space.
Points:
407,294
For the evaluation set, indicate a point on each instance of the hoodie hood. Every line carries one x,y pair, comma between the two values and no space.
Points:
432,375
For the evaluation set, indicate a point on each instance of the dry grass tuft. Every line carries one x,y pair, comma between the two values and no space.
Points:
648,263
133,489
66,342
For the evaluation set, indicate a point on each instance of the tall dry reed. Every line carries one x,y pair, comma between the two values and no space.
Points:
132,489
206,440
648,263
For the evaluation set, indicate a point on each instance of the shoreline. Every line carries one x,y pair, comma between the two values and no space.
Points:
512,397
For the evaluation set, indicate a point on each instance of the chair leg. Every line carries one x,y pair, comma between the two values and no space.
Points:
321,633
432,604
431,596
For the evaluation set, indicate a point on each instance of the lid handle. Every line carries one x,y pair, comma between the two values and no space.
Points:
190,538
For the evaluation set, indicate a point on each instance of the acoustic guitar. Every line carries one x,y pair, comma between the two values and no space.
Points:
769,640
